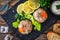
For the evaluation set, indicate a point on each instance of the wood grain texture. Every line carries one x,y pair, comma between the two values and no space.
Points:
3,23
12,3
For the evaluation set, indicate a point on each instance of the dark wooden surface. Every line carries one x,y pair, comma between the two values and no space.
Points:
3,23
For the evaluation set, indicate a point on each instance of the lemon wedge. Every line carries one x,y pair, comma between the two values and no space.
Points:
19,8
33,4
27,9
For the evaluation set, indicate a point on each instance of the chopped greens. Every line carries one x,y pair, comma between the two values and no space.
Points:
20,17
58,6
45,3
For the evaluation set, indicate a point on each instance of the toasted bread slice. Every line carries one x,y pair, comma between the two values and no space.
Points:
53,36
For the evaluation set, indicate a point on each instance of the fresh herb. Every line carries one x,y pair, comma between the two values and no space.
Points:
17,16
45,3
20,17
58,6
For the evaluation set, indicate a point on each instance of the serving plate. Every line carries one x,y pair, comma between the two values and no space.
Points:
9,18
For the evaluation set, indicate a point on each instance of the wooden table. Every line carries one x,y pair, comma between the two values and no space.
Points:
3,23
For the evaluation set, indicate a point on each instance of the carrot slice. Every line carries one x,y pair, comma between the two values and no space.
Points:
43,14
21,29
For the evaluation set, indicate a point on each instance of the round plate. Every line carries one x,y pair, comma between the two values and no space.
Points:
9,18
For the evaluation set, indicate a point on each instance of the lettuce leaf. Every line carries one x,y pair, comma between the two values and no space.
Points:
16,23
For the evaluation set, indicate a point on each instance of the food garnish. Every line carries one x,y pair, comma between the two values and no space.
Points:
28,7
34,4
21,29
45,3
58,6
15,24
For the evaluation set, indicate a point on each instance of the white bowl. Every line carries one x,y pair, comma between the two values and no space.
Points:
54,9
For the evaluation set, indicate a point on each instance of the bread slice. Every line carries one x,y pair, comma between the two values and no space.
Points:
53,36
56,28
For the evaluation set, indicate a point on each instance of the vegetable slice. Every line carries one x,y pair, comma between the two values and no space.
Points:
33,5
21,29
27,9
20,8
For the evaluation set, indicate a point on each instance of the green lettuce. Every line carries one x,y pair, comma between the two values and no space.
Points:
16,23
